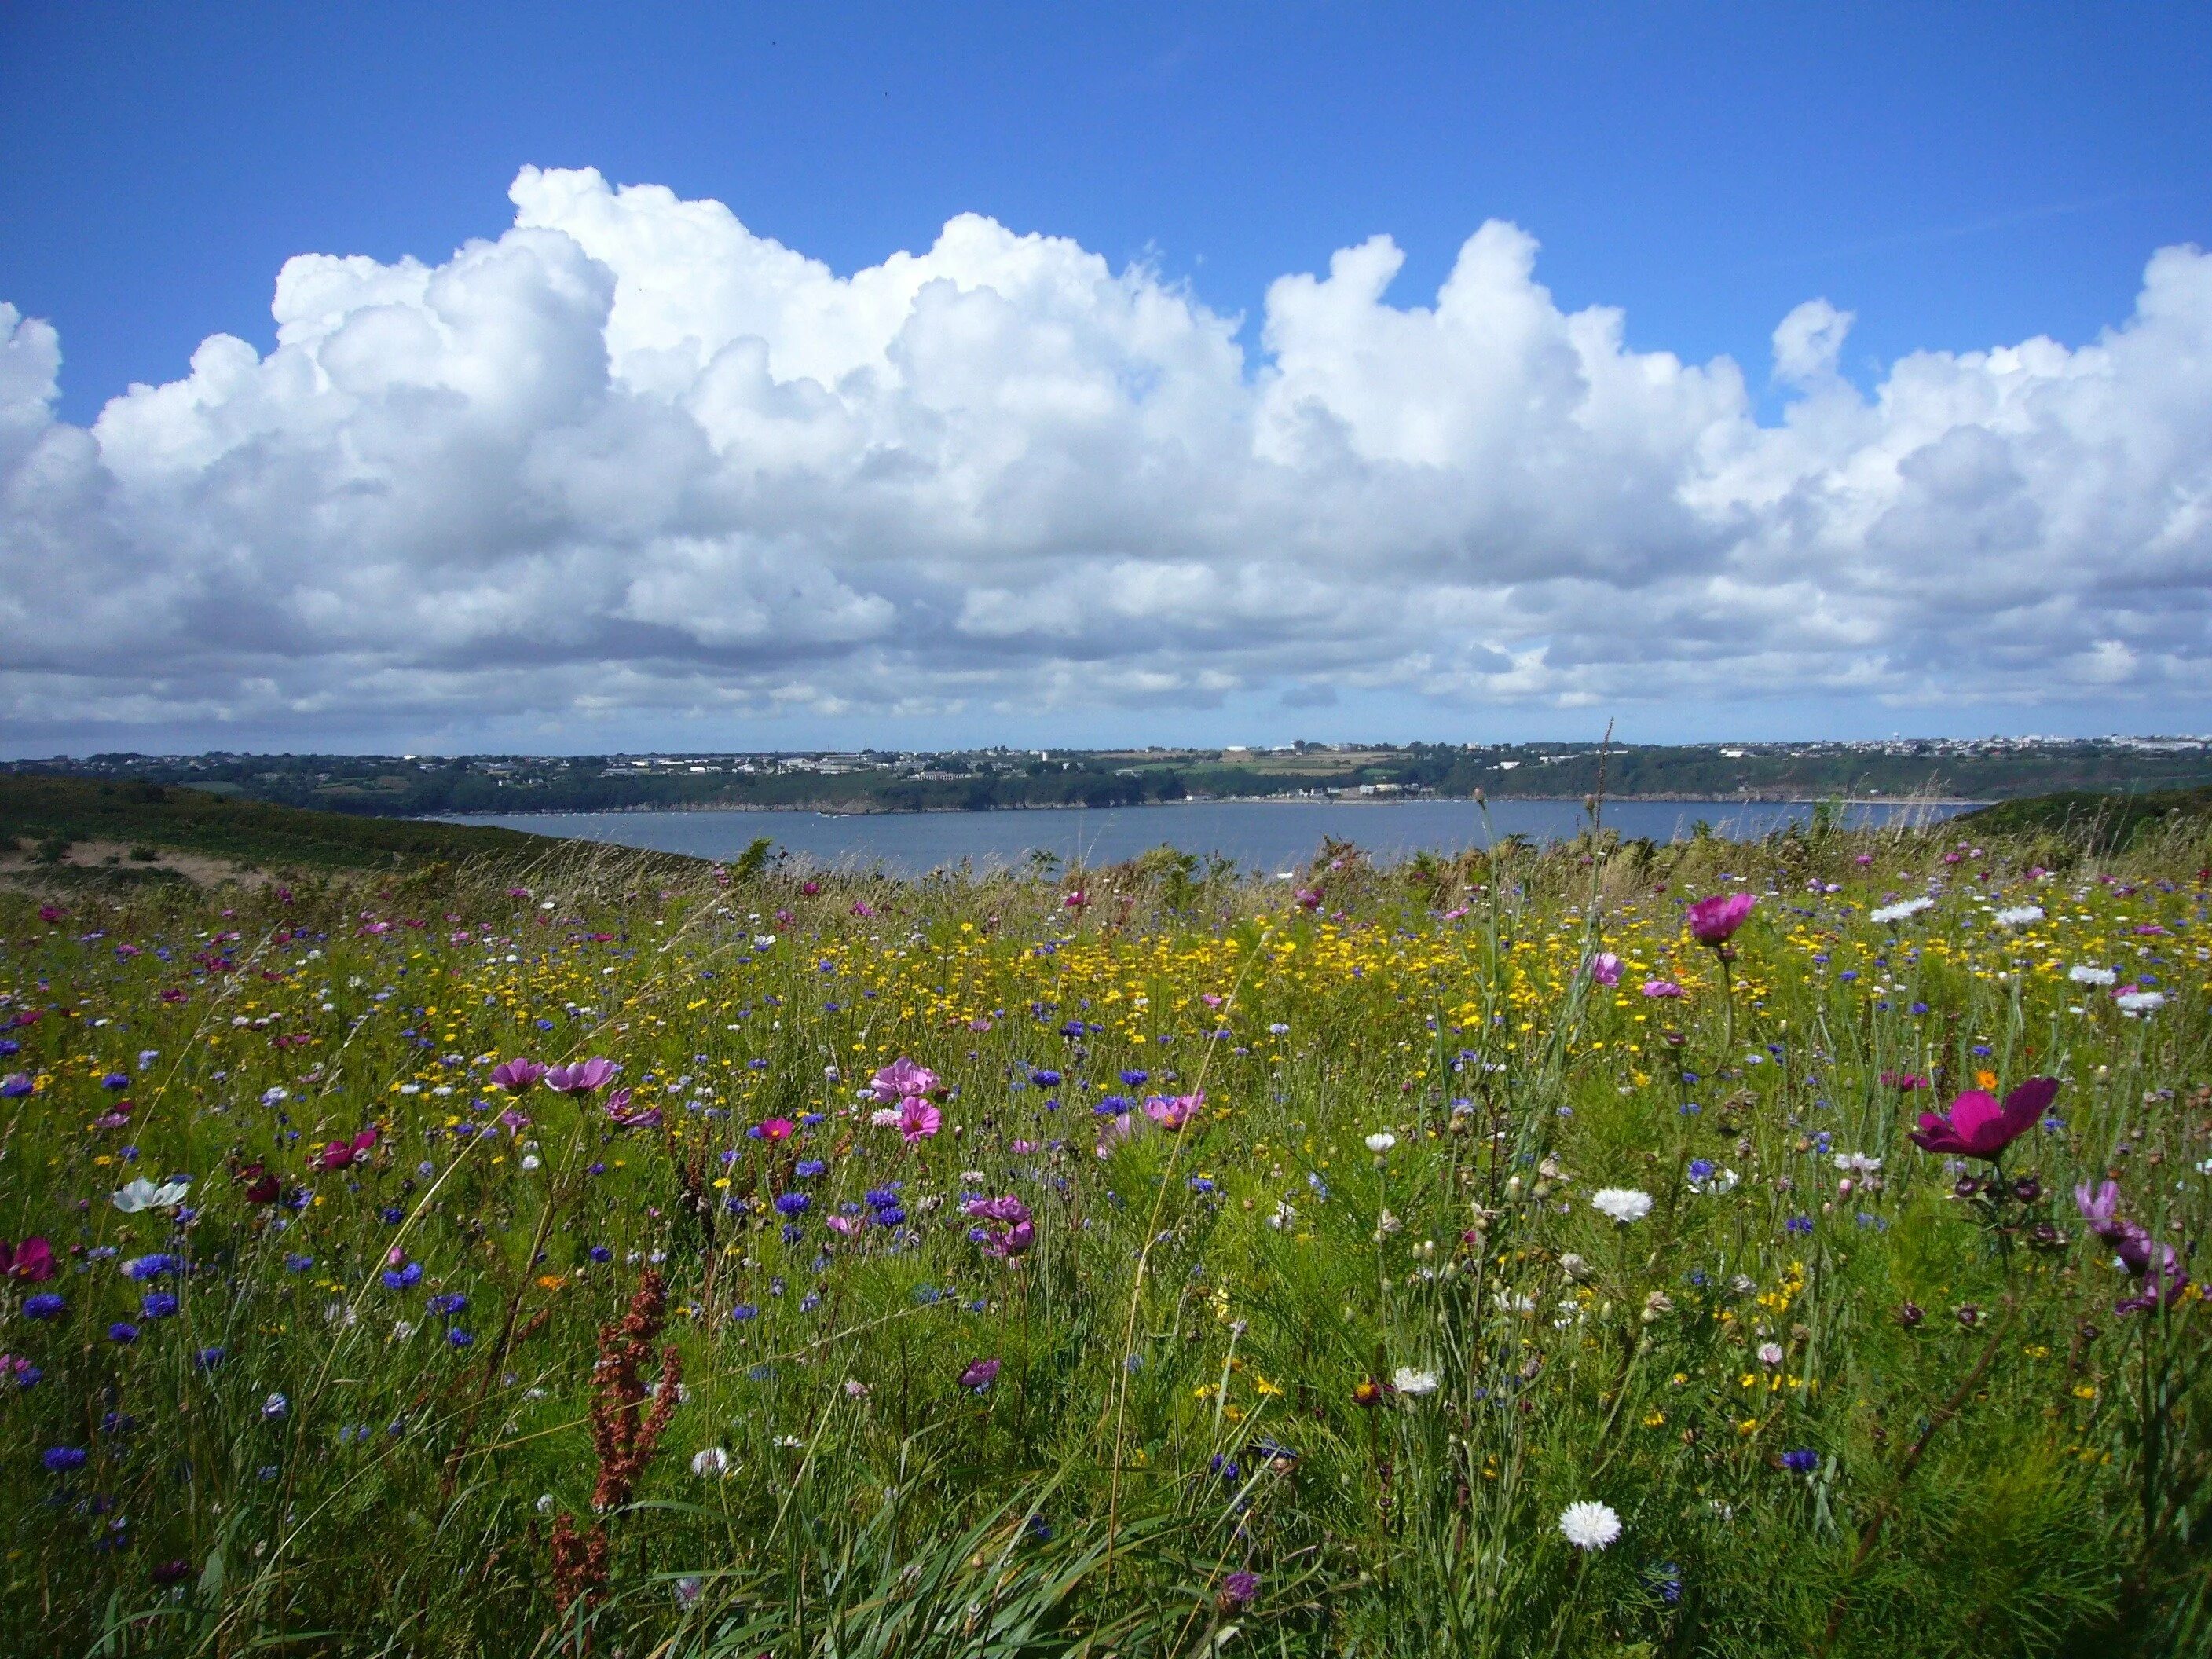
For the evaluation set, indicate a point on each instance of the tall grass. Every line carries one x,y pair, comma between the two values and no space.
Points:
1897,1416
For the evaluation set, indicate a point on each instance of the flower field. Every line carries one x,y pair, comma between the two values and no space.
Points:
1610,1250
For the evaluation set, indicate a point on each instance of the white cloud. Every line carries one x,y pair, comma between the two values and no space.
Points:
630,455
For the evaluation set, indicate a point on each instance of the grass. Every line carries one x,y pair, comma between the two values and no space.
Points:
2103,821
56,813
1356,1328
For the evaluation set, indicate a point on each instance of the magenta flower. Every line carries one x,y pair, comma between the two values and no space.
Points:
979,1375
1978,1127
1119,1127
1605,969
32,1260
517,1076
586,1076
776,1128
2157,1265
1010,1234
1173,1111
902,1078
618,1109
1076,900
1712,919
1661,987
1308,899
918,1120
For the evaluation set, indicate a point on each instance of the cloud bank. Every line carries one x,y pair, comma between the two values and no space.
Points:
630,458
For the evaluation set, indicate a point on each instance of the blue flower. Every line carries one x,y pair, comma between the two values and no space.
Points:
808,1168
744,1312
1136,1079
450,1303
44,1305
1701,1168
1045,1079
1799,1224
1801,1461
122,1331
208,1359
793,1203
61,1459
143,1268
298,1264
402,1278
1112,1105
458,1338
600,1253
158,1304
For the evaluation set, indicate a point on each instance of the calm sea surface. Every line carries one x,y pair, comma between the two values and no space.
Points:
1260,835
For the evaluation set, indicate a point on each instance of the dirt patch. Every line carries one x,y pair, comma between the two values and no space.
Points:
23,867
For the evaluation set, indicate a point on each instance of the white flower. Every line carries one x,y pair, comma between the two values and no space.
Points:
143,1195
1589,1526
275,1406
1719,1181
1406,1380
1898,912
2020,915
711,1464
1381,1142
855,1389
762,941
1623,1204
1857,1162
2132,1003
545,1502
1769,1354
530,1160
1283,1217
2082,974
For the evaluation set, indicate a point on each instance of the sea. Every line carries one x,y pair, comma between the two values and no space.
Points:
1263,837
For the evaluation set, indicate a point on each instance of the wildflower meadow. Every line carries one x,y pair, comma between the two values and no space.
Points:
1608,1249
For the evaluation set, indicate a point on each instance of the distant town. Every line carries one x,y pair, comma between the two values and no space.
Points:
876,781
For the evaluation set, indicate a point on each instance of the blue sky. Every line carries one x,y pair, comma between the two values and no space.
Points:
1957,178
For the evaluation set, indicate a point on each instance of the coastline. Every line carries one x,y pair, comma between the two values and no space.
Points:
828,810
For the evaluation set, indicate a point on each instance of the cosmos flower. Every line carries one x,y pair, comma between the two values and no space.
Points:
1605,969
584,1078
1978,1127
618,1109
143,1195
1589,1526
903,1078
518,1076
1661,988
1173,1111
32,1260
1713,919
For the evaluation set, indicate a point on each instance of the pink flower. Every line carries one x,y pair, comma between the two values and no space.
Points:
1212,1000
513,1123
586,1076
1455,914
1661,987
1077,899
776,1128
1011,1233
918,1120
1864,860
1605,969
647,1117
1308,899
902,1077
1712,919
848,1224
863,909
1978,1127
1173,1111
1118,1127
517,1076
810,888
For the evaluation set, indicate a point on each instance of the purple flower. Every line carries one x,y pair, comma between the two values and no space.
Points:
979,1375
62,1459
585,1076
1801,1461
1240,1588
1605,969
517,1076
122,1331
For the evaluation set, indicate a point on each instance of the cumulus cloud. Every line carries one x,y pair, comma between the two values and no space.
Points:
630,455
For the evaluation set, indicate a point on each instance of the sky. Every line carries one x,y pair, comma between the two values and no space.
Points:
559,378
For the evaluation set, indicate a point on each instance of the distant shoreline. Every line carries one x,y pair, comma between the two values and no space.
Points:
872,810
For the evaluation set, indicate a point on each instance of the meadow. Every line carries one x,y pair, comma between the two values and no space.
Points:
1521,1255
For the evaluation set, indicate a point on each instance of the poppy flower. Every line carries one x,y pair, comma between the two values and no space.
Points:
1978,1127
1713,919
